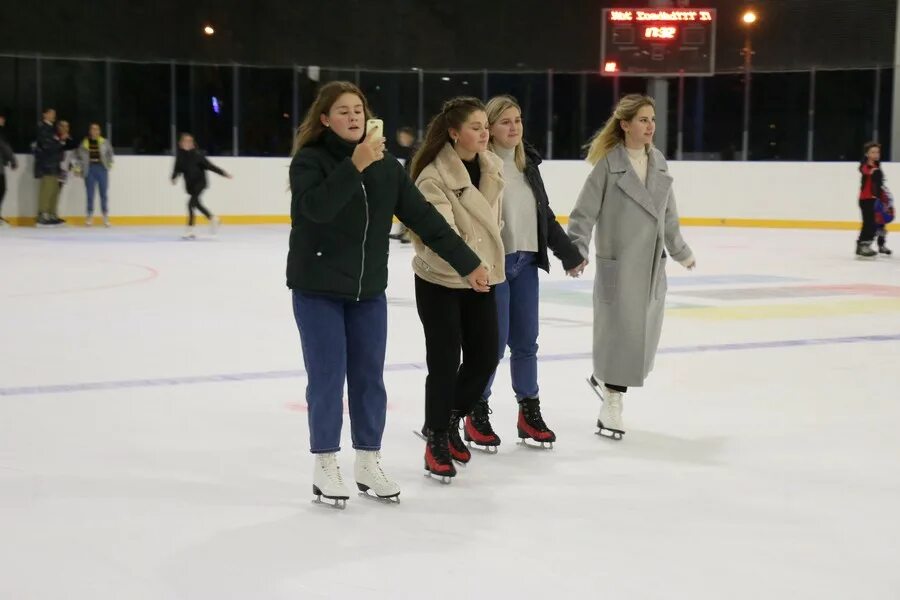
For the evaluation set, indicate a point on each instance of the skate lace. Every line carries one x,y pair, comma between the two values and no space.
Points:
333,470
376,469
481,417
532,412
439,444
453,436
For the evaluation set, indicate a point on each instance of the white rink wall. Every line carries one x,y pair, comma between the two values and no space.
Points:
802,194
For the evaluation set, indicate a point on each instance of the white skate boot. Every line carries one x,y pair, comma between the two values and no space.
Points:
610,422
214,224
327,480
189,233
371,477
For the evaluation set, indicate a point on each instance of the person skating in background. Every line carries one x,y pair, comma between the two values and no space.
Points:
192,164
95,159
628,200
872,192
7,159
404,150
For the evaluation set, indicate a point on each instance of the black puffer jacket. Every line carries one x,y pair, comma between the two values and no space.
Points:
49,151
193,165
550,232
341,218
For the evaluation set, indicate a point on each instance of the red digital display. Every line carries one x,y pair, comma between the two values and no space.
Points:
643,42
660,33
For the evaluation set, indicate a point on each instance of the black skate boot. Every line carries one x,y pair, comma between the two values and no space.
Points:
458,450
437,456
882,247
531,424
478,428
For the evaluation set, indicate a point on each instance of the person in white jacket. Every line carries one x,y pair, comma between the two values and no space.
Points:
628,199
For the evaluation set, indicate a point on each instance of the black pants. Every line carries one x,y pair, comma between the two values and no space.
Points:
867,233
2,188
194,204
454,320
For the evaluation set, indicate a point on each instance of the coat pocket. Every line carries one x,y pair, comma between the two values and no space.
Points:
607,280
662,282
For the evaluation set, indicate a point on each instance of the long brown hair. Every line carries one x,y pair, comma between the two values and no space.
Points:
311,129
496,106
612,134
453,115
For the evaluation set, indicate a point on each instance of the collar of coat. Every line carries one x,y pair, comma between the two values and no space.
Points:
653,196
453,172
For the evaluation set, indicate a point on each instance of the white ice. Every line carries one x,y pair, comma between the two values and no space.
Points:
153,439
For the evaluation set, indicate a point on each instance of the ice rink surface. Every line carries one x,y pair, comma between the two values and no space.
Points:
154,445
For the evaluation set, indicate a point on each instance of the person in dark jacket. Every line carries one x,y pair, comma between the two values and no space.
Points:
49,151
191,162
529,229
7,159
871,188
345,190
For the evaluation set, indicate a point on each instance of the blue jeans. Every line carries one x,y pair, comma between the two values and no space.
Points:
97,176
343,339
517,320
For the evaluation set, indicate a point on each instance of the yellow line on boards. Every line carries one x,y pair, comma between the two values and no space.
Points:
286,219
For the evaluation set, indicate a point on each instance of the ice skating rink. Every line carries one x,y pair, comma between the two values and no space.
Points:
153,436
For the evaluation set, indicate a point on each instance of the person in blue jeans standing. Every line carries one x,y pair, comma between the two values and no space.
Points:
529,228
343,198
95,159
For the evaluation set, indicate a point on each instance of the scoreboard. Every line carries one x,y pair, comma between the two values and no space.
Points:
656,42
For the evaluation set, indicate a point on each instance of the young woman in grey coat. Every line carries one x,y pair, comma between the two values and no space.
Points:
628,199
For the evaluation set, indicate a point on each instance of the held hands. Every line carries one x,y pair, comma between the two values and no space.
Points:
479,279
371,150
577,271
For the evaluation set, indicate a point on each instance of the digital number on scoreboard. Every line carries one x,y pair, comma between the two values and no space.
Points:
646,42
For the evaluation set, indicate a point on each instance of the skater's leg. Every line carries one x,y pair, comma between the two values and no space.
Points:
89,183
199,206
501,297
321,322
192,205
523,327
479,347
439,311
867,232
103,184
366,334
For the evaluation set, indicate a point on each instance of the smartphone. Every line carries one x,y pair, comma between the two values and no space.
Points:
375,125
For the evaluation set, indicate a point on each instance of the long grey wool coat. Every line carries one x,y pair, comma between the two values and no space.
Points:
634,223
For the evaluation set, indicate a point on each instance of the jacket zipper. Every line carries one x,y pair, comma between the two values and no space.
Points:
362,266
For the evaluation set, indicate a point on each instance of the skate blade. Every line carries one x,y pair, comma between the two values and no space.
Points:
485,449
610,434
535,444
595,387
365,490
419,435
444,479
334,504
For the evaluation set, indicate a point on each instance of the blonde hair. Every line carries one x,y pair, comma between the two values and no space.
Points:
496,106
311,129
612,134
